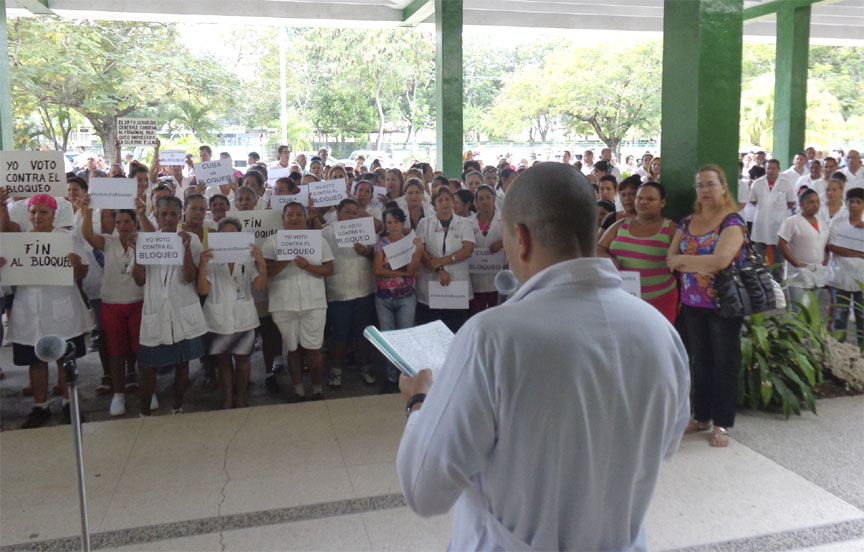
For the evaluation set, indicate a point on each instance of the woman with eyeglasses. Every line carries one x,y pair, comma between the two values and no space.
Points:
706,242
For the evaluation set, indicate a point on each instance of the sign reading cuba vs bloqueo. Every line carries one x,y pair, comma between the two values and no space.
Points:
36,259
29,173
159,248
291,244
328,192
213,173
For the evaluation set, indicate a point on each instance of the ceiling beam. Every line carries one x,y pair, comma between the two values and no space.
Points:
417,12
770,8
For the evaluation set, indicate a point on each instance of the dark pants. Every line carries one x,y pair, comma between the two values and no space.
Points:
452,318
843,302
714,343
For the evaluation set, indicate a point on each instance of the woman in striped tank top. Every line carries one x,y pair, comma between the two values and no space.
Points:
640,243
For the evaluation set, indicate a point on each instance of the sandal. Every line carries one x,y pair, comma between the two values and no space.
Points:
719,437
695,426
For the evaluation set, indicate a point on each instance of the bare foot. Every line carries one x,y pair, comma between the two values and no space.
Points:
719,437
695,426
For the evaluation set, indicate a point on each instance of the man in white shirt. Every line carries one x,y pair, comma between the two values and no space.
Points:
587,161
565,454
283,158
774,196
853,170
606,155
813,179
798,168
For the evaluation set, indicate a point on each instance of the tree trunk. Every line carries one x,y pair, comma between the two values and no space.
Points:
380,118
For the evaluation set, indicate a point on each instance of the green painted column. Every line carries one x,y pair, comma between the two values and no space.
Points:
702,48
6,122
448,86
790,82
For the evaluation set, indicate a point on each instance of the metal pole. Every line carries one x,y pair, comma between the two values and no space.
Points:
71,378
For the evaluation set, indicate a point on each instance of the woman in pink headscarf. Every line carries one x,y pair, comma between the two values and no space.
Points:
40,310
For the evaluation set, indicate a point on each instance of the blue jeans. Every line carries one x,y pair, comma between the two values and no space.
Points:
843,300
395,314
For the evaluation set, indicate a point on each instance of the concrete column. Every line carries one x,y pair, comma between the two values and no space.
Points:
6,122
448,86
790,81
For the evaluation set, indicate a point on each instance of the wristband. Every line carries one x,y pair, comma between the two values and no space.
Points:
418,398
439,269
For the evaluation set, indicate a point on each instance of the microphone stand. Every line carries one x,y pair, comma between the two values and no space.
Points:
70,368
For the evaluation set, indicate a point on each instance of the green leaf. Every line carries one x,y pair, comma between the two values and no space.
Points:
790,401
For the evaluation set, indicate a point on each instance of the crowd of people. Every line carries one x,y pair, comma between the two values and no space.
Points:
152,319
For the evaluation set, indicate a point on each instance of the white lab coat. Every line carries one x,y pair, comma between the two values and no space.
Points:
439,243
808,247
855,180
817,185
229,307
483,283
771,207
550,417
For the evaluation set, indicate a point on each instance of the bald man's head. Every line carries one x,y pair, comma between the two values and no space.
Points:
555,203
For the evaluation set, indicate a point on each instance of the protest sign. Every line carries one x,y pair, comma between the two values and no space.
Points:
214,173
275,174
278,202
172,157
113,193
399,253
631,282
231,247
303,243
159,248
262,223
328,192
349,232
37,259
28,173
453,296
136,132
849,237
376,201
483,261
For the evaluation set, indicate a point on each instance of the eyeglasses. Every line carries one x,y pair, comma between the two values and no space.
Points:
707,186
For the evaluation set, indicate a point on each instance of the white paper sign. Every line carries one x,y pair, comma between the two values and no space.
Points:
328,192
172,157
349,232
159,248
275,174
376,201
37,259
28,173
261,223
113,193
136,132
231,247
302,243
214,173
849,237
483,261
631,282
399,253
454,296
278,202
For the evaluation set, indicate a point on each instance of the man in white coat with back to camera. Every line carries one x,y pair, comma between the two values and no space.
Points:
552,413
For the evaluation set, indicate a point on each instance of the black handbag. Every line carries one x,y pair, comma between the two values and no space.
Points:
744,289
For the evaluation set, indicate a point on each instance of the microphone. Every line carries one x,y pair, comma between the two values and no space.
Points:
53,347
506,284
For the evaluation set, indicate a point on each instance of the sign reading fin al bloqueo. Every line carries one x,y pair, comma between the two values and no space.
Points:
29,173
263,223
36,259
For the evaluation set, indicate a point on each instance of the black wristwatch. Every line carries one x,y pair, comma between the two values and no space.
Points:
418,398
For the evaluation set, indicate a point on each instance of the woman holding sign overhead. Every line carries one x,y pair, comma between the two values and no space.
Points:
230,314
448,244
396,293
298,300
489,241
172,324
350,291
45,309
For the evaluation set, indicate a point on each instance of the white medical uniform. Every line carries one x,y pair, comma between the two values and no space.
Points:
440,242
808,247
352,273
818,185
771,207
549,420
853,180
484,283
229,307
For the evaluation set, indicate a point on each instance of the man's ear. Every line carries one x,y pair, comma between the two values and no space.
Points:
523,242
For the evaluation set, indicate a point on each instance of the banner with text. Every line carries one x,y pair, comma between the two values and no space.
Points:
231,247
29,173
349,232
262,223
377,193
278,202
299,243
136,132
483,261
36,259
214,173
159,248
631,282
399,253
328,192
172,157
453,296
275,174
113,193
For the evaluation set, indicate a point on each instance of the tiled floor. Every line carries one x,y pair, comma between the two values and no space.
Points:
176,468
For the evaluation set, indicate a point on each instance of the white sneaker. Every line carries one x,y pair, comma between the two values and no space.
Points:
118,405
154,403
176,411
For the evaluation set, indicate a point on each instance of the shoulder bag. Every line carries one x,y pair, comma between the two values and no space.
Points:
747,288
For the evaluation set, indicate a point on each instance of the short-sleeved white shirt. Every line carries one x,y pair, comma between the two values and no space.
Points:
808,247
295,289
440,241
843,272
118,285
352,273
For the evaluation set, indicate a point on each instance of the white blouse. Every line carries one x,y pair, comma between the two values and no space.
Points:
843,272
230,307
440,242
352,273
808,247
295,289
118,286
485,283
